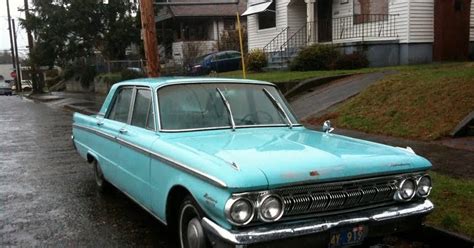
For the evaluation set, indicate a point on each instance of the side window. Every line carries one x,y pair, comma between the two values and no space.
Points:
267,19
121,106
143,110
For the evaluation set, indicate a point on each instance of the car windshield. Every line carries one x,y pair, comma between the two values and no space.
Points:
4,85
204,106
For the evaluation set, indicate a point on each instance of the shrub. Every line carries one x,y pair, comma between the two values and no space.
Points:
127,74
355,60
256,60
314,57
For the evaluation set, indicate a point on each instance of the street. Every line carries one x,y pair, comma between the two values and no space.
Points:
47,192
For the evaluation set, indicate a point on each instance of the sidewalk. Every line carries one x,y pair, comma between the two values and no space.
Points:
85,103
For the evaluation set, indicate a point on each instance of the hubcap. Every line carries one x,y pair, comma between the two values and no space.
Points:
195,234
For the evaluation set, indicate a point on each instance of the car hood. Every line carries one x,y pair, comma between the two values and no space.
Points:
299,155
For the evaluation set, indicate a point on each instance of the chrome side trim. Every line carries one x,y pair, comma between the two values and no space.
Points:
287,230
211,179
92,130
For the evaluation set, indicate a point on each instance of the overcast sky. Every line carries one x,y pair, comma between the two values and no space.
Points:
21,34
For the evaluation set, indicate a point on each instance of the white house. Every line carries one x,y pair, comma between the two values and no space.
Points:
391,32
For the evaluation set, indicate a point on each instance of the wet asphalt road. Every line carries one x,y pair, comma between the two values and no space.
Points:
47,192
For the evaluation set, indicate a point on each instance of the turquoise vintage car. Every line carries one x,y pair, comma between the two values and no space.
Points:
226,163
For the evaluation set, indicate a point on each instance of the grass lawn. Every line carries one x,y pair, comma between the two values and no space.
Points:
454,202
421,102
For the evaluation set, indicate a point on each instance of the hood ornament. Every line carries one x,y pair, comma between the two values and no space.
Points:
327,127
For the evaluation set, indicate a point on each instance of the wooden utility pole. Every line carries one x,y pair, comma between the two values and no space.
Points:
17,65
12,46
37,86
149,38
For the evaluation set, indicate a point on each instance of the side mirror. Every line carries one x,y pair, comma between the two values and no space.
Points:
327,128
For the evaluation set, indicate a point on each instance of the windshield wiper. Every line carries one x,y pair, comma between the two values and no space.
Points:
279,107
227,105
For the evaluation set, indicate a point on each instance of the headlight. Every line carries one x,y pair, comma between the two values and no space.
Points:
424,186
239,211
406,190
270,208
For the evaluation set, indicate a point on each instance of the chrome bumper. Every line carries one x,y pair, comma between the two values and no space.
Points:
264,234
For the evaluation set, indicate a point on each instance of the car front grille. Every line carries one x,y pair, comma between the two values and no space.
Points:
318,198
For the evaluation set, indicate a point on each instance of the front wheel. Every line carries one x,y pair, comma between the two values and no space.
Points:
191,232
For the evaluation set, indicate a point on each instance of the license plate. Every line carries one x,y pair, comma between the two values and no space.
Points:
348,236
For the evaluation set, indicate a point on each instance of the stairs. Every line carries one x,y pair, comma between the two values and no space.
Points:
280,54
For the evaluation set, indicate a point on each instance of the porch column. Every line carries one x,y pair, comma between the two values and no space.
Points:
310,21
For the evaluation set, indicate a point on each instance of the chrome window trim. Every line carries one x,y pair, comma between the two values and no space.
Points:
211,179
225,127
132,105
158,116
279,107
113,101
229,110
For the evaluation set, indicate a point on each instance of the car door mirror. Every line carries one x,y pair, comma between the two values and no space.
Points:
327,127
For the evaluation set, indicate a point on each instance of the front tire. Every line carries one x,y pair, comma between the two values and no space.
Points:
191,232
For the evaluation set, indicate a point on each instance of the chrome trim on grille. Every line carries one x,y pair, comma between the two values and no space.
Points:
312,199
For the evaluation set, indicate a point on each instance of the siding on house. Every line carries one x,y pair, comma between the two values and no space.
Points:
421,21
259,38
296,16
472,21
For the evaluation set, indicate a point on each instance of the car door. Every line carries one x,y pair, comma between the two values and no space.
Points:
114,121
234,61
136,139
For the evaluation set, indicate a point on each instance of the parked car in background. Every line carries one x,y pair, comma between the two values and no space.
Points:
225,162
26,85
5,88
215,62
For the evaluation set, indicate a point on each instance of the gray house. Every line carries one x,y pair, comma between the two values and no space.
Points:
391,32
199,27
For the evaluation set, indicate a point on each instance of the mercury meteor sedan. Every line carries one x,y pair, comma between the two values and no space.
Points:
225,163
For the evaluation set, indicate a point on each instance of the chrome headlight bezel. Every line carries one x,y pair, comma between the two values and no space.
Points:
398,195
261,203
228,208
418,186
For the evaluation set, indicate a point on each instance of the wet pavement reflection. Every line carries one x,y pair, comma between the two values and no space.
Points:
47,192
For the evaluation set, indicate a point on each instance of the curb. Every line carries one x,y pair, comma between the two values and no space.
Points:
440,236
82,110
312,83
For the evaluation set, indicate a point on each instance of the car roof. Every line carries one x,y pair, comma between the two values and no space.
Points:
163,81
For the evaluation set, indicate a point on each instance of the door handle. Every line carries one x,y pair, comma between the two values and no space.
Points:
123,131
100,123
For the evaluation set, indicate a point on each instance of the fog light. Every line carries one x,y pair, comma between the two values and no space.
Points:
239,211
270,208
406,190
424,186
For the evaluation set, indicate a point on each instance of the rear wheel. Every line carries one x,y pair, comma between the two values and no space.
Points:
100,181
191,232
